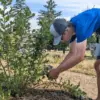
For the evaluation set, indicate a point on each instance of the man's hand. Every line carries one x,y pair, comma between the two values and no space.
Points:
54,73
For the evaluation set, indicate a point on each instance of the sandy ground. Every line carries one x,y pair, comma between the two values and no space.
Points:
87,83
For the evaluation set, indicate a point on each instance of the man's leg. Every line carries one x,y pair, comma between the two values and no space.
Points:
97,68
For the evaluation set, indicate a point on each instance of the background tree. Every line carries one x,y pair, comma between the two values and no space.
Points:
45,18
92,39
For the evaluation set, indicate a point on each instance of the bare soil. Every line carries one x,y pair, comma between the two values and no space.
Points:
45,95
51,91
87,83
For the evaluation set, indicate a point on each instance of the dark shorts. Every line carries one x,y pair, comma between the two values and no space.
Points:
98,31
97,51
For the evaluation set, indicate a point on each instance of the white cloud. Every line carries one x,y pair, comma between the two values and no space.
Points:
67,18
75,6
34,24
34,21
36,14
81,2
67,2
1,7
36,1
68,7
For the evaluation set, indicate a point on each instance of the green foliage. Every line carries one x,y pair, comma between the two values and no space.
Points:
74,90
21,48
92,39
4,95
61,46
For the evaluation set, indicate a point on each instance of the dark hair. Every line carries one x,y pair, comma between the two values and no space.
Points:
70,24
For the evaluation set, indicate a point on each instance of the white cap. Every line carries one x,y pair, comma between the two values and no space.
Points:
57,37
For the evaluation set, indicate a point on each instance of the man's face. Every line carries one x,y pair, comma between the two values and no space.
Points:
66,36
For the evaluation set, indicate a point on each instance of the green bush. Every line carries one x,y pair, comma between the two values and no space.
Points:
4,95
21,48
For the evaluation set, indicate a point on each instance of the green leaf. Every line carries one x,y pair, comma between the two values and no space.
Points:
7,18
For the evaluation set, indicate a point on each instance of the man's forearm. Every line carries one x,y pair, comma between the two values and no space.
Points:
69,62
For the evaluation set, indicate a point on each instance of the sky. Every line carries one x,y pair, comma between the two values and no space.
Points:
69,8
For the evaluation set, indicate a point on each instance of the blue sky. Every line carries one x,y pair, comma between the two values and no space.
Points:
69,8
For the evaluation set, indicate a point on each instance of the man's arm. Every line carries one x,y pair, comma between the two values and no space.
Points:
75,56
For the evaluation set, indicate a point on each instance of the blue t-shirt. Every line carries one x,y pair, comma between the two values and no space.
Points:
86,23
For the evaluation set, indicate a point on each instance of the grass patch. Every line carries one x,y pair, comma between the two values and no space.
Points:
85,67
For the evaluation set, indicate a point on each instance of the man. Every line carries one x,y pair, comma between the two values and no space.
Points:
76,31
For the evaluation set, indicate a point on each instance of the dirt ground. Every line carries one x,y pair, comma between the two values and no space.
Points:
46,95
51,91
87,83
